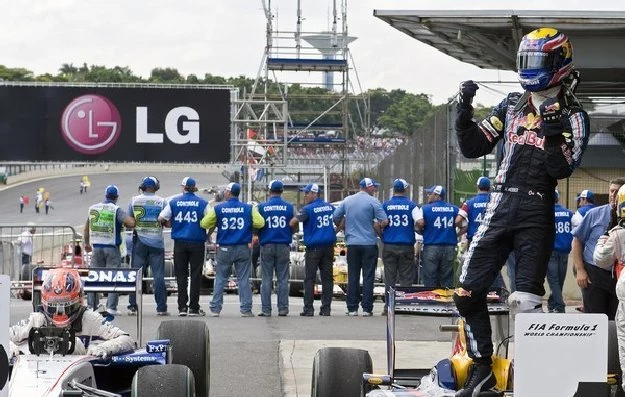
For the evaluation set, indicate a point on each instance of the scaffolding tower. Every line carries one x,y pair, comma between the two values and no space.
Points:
275,130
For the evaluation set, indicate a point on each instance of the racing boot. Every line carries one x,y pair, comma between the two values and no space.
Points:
480,379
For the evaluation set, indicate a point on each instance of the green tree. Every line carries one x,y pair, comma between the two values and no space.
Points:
406,115
166,76
15,74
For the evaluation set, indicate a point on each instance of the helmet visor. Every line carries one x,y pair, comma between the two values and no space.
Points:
532,60
61,308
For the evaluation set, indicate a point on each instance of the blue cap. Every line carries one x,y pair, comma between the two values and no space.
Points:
276,185
588,195
436,189
111,191
149,181
233,188
188,182
368,182
483,183
311,187
400,185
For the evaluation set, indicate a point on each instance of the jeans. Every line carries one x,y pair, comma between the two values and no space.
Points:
145,255
361,258
398,265
556,273
275,257
438,265
188,263
239,256
105,257
319,257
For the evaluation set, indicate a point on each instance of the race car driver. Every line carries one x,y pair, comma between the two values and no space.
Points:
609,253
62,301
542,135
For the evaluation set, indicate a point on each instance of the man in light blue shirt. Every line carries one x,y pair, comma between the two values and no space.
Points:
364,219
598,285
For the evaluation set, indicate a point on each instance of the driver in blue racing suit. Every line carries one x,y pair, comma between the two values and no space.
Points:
543,134
62,302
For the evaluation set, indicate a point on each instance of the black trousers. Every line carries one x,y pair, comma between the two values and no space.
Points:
188,260
512,223
321,258
600,295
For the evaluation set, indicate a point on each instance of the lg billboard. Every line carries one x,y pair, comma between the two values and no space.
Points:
121,123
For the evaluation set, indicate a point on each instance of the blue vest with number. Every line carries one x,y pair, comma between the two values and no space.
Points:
277,213
440,228
318,228
234,222
564,237
475,212
400,229
187,211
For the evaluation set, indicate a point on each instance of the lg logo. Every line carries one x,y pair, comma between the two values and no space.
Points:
190,125
91,124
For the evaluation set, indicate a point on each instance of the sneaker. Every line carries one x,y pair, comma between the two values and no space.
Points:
112,312
196,313
283,313
367,314
248,314
480,379
324,313
307,314
132,311
353,314
183,312
214,314
264,314
163,313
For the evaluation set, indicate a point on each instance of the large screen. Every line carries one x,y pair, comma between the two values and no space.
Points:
96,123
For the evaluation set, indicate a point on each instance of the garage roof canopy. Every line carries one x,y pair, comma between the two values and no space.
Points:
490,38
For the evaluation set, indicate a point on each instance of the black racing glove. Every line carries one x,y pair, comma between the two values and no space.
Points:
551,113
467,92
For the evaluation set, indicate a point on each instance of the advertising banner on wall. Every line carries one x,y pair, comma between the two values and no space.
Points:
118,123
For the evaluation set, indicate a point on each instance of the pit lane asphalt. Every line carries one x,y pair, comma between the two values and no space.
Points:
263,357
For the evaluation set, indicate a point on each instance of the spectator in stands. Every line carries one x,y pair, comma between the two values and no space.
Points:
275,239
102,236
597,284
585,201
147,246
399,239
183,214
470,217
235,222
439,239
319,238
364,220
558,262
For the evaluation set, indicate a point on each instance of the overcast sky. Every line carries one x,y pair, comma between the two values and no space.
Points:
227,38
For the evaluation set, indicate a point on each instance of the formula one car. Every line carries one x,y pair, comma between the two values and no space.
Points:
348,372
49,368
